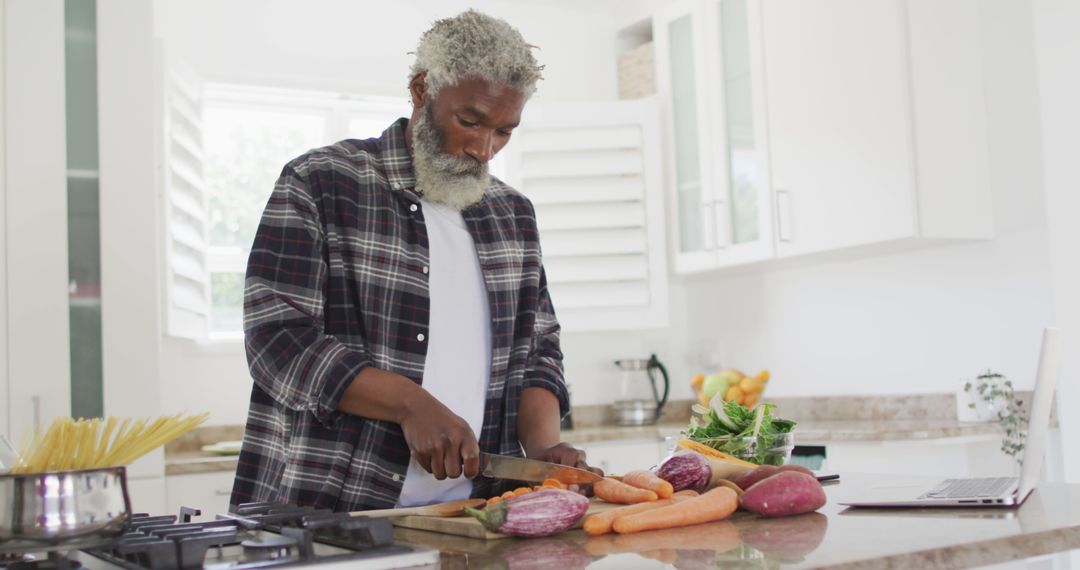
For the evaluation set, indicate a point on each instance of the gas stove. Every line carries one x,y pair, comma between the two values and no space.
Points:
257,535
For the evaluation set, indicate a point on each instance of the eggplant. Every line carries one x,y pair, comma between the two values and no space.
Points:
538,513
686,470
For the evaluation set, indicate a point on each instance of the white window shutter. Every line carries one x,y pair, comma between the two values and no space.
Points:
186,276
592,170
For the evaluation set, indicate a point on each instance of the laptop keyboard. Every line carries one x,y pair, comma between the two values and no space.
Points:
978,488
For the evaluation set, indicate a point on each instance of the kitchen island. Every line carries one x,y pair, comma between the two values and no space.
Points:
834,537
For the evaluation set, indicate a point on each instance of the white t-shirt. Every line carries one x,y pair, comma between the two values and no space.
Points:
458,363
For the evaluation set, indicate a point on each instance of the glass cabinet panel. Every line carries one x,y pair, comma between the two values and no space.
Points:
742,153
688,180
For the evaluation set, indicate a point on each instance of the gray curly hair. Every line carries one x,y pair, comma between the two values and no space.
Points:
472,44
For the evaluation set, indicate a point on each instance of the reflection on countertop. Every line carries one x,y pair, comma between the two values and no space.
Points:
1049,521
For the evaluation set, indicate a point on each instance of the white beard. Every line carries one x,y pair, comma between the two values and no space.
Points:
440,177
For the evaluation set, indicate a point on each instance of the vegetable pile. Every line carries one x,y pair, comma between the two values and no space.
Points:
704,482
731,428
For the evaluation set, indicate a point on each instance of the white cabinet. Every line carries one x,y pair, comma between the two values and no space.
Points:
618,457
803,127
710,78
208,492
876,128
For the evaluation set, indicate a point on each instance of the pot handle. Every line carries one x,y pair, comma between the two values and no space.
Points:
660,400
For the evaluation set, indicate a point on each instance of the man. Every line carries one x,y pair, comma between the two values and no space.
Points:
396,311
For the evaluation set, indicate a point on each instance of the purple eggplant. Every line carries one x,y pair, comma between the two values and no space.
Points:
538,513
686,470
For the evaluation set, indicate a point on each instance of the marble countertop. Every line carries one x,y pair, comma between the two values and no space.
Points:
836,537
190,459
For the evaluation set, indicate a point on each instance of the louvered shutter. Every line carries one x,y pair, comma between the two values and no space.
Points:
592,170
187,278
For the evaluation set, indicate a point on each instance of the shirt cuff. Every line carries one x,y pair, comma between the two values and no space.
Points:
344,368
555,387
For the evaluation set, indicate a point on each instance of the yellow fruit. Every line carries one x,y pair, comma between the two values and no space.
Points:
697,381
703,399
734,394
751,385
763,376
750,400
732,374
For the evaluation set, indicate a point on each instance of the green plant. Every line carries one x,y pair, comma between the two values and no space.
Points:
992,388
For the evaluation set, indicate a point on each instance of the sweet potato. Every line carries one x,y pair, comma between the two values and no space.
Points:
799,468
746,479
784,494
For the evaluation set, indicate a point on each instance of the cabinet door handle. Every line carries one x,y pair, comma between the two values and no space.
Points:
783,215
708,226
720,219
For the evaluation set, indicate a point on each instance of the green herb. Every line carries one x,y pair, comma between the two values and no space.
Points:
729,427
993,388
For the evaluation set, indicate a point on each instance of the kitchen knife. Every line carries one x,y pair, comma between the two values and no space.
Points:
532,470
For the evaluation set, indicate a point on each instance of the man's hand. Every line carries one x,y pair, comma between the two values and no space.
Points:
566,454
440,441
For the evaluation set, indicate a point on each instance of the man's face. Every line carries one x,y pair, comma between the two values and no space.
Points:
476,117
455,134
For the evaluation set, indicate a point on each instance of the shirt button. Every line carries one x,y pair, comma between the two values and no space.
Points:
420,337
397,477
425,270
414,208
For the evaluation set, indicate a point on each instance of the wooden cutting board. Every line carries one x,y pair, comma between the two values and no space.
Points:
470,527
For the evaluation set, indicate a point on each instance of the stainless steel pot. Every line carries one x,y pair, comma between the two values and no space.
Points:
63,509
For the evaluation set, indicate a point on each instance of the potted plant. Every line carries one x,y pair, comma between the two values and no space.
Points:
991,398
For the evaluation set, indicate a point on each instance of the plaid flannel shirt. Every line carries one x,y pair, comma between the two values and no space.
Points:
337,280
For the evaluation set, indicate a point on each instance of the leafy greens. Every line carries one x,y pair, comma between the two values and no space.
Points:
730,427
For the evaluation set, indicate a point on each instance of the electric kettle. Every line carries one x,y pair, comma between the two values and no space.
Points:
640,399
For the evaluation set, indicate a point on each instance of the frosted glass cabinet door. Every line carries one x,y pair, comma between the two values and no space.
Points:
709,77
686,121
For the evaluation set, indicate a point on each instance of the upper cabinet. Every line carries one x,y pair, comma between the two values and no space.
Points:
710,78
876,122
802,127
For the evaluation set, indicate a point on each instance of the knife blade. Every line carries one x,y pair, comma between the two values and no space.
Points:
532,470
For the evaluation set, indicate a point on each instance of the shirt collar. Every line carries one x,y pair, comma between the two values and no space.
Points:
397,160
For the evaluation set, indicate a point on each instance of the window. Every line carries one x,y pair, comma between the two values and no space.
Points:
248,135
592,170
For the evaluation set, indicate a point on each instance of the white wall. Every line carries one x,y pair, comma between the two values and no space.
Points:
1057,48
5,429
363,47
919,321
35,194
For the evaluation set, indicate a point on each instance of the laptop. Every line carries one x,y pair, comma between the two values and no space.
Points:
987,491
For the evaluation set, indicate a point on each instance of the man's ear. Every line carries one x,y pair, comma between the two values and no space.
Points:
418,89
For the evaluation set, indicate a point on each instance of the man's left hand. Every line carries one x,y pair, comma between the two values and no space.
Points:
566,455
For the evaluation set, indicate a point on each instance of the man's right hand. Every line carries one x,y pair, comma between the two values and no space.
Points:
440,441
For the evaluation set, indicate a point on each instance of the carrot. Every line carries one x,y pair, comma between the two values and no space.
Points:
507,495
714,505
686,493
600,523
521,491
493,500
553,483
643,479
614,491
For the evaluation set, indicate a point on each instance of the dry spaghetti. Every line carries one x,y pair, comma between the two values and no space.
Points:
95,443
